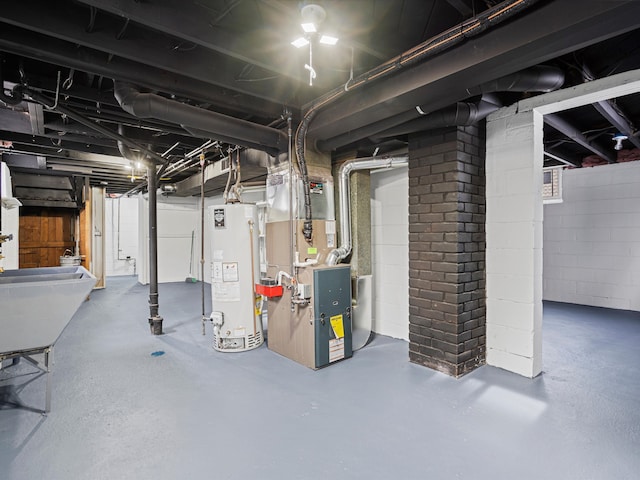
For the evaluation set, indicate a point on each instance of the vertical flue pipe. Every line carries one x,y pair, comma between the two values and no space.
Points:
155,320
340,253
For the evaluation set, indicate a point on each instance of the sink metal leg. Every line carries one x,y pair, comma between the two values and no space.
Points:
48,356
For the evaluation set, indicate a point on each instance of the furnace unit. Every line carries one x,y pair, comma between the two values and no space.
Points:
309,302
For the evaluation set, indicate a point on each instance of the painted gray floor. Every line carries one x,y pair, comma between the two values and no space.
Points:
192,413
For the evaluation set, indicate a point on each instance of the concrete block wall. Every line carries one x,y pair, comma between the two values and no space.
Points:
447,249
390,251
592,239
514,240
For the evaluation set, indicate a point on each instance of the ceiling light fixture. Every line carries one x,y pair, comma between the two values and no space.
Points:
300,42
309,27
328,40
618,138
312,16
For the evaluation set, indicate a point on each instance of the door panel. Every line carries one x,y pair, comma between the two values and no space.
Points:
45,234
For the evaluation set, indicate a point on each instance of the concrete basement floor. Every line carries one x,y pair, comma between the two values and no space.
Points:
118,412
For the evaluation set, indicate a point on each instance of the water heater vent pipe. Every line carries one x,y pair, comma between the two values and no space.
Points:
340,253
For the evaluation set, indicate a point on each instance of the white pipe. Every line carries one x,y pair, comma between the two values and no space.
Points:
338,254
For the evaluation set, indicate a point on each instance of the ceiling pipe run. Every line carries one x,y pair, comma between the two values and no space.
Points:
213,124
338,254
539,78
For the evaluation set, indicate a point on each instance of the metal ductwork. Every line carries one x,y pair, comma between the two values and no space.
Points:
126,152
540,78
461,114
207,123
340,253
8,100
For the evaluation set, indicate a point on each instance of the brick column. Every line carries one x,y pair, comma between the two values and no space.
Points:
447,249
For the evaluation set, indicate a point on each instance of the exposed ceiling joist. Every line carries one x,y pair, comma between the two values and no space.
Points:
462,7
446,78
192,23
59,52
618,120
154,49
561,125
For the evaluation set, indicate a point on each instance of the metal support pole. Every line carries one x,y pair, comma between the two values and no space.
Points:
155,320
202,179
48,353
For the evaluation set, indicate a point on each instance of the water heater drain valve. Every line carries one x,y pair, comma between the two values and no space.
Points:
217,319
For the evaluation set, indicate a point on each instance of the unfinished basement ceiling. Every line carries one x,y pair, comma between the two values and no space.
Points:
234,58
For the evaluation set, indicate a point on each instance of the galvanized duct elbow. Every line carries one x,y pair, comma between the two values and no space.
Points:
212,124
340,253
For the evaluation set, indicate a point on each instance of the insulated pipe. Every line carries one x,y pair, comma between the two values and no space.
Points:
338,254
244,133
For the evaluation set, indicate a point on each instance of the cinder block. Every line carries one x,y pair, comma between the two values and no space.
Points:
510,314
511,362
516,288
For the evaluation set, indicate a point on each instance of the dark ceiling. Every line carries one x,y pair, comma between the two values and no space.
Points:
234,58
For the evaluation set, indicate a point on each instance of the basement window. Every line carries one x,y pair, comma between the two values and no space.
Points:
552,185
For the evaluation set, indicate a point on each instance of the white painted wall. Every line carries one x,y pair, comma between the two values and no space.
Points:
390,251
592,239
121,236
514,240
177,219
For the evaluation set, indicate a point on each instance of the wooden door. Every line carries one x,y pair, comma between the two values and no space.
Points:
45,234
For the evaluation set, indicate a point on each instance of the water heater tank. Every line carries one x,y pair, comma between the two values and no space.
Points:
235,271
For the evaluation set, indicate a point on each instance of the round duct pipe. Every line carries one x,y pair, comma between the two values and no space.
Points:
539,78
215,125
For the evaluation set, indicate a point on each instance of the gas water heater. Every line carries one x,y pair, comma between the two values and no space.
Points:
237,324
